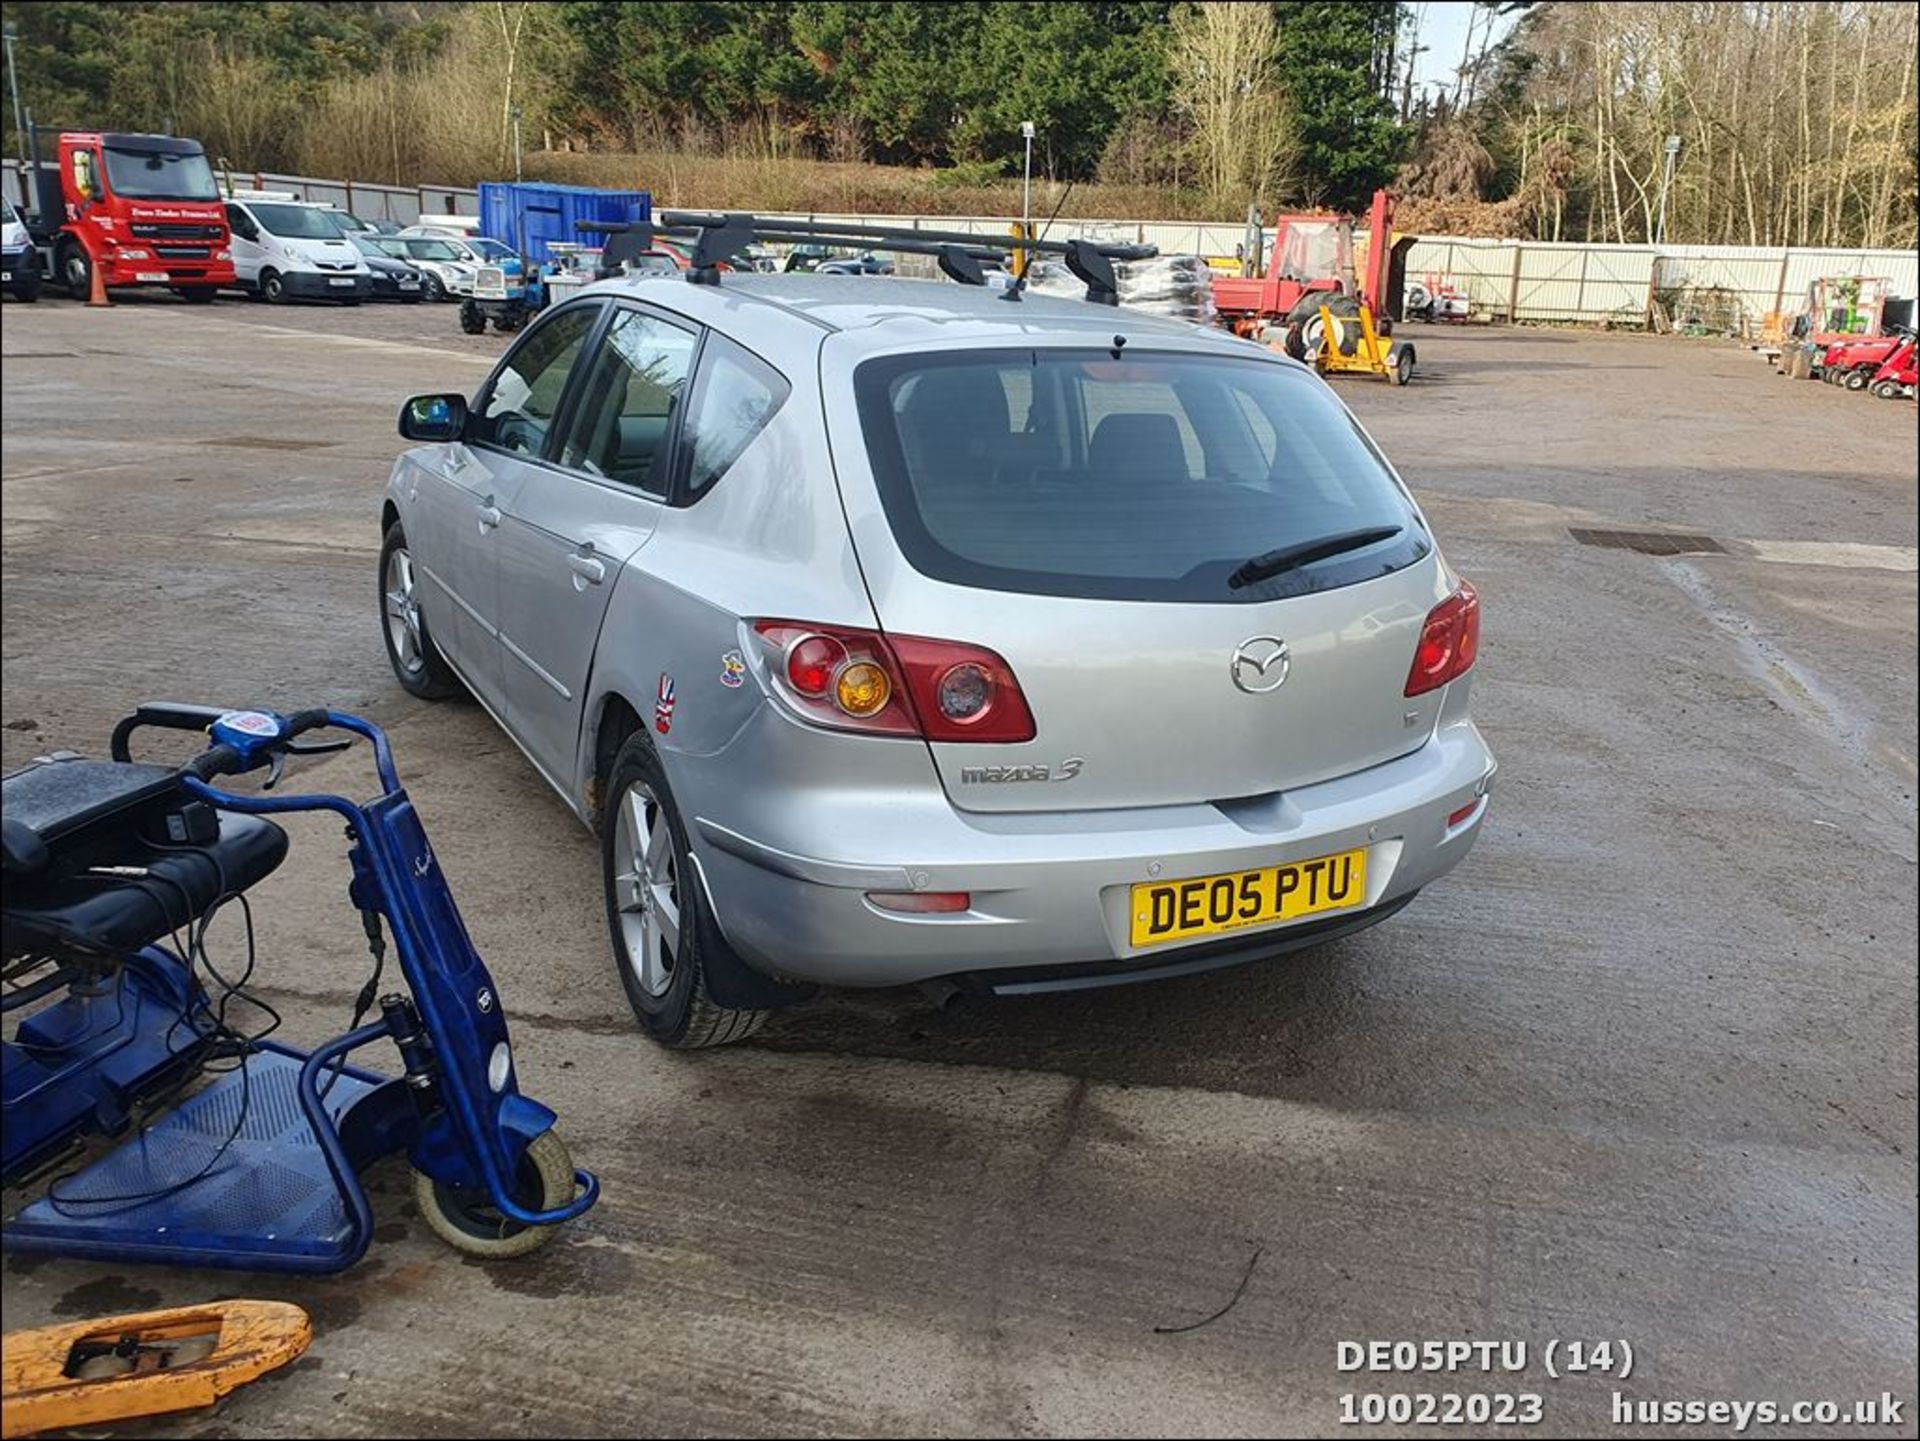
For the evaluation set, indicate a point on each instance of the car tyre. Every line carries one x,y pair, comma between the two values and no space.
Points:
658,921
26,285
431,288
417,663
473,320
273,289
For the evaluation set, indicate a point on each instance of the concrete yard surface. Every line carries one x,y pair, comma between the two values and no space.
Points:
1642,1069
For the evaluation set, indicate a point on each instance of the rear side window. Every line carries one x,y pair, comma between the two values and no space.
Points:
1155,477
623,425
526,389
736,396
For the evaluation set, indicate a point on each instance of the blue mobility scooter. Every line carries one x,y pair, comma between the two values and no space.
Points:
114,871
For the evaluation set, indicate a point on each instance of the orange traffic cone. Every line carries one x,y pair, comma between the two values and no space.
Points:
98,296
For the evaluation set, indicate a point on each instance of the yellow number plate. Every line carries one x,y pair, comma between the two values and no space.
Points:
1206,905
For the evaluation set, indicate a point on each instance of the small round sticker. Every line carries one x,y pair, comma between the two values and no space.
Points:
251,722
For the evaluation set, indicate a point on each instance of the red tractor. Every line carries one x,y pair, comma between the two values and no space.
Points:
1897,373
1309,263
1852,362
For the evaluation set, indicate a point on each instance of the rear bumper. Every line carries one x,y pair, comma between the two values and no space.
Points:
1180,960
1051,892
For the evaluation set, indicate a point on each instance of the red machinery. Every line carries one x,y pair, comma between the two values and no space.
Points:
1310,263
1897,375
1852,363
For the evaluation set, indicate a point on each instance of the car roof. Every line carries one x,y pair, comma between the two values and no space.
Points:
875,312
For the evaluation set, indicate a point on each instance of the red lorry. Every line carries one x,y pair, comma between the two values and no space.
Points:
142,209
1310,263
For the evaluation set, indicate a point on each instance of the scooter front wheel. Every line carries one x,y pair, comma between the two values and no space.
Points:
467,1220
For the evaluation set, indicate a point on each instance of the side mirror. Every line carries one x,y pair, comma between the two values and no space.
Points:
434,417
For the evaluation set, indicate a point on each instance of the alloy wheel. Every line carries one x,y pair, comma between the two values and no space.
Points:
403,612
647,888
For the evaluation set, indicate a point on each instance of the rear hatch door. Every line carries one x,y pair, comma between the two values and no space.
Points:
1092,520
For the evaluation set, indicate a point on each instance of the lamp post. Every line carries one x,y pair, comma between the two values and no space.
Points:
1026,183
1666,184
12,33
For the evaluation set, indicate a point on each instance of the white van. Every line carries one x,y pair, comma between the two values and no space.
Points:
289,250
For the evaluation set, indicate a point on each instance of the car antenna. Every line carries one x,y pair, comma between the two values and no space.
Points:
1012,292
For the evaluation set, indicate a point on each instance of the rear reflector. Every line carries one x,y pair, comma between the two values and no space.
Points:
922,903
1466,810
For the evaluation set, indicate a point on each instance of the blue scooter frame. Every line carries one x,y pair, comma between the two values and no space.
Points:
457,1112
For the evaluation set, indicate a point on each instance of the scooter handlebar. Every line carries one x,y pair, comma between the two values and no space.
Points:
215,761
220,759
308,720
163,715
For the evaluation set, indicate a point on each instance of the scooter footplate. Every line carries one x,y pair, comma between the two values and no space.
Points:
268,1202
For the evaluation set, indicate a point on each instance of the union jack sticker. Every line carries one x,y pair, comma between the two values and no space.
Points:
663,705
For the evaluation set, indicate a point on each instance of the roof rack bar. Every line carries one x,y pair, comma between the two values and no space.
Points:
825,229
958,262
722,236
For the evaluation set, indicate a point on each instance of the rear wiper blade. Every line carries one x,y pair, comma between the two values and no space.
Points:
1292,557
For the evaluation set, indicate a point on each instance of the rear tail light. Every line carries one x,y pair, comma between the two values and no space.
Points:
1449,642
904,685
962,692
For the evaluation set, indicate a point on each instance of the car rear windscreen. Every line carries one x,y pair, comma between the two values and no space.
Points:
1158,476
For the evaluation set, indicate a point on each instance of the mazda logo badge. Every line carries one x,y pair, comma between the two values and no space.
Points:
1261,664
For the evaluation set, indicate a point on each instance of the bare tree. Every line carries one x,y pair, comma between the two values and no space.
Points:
1221,57
512,20
1796,119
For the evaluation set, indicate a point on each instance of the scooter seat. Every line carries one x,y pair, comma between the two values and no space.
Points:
71,910
86,878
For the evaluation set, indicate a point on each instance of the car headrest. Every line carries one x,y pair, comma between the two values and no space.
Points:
1137,449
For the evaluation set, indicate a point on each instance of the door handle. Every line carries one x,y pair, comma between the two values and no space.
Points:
587,568
489,515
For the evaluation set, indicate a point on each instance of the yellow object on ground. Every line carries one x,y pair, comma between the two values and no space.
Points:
1369,354
149,1364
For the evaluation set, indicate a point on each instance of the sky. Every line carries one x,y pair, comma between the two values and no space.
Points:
1443,28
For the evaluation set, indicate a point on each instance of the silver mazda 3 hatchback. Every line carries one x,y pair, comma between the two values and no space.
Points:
890,632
